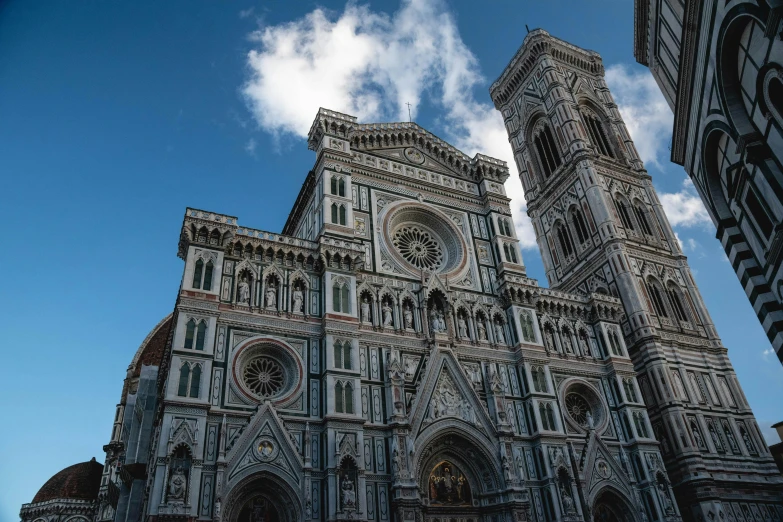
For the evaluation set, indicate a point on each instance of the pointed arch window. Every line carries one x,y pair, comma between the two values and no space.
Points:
208,276
676,302
640,424
641,218
564,239
201,333
657,299
190,333
343,215
197,273
342,354
343,397
580,226
341,301
548,156
614,343
337,186
630,391
339,214
622,212
189,380
597,135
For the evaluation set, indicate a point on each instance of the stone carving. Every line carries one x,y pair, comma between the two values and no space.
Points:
409,366
462,327
407,317
528,332
568,501
549,340
177,486
226,292
271,295
482,330
348,494
297,299
448,485
244,292
365,311
499,335
437,321
668,507
387,315
447,401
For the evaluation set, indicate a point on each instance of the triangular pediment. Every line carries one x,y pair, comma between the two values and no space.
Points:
412,158
447,394
601,468
264,446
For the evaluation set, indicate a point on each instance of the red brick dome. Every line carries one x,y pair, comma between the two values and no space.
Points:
80,481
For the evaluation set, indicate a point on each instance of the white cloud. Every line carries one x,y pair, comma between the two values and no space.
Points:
684,208
370,65
644,110
250,146
244,13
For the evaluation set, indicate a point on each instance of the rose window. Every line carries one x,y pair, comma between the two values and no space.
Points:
263,376
418,247
577,408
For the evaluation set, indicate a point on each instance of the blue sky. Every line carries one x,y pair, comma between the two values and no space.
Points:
116,116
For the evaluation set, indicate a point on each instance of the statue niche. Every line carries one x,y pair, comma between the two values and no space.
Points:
448,486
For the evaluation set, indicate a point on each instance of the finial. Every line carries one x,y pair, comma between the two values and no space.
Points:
526,27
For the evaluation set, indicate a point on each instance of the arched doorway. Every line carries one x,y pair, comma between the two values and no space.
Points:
611,507
262,498
454,473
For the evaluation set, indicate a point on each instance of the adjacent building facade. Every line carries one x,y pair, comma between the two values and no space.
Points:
601,228
720,68
386,356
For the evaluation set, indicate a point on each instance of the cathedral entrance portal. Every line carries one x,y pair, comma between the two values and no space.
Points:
262,498
610,507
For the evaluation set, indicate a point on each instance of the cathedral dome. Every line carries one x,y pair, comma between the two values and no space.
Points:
150,352
79,482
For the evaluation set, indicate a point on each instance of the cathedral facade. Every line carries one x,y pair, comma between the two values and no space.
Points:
386,357
720,67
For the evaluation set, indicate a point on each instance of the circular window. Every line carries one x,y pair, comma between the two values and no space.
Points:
584,406
263,376
419,237
418,247
267,369
577,408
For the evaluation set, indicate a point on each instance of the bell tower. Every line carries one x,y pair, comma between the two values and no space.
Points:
601,229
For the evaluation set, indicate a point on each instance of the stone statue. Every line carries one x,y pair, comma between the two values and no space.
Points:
407,315
298,300
667,502
177,486
441,322
396,462
568,502
549,339
507,468
499,336
482,331
387,315
348,494
244,292
217,508
527,327
437,322
462,327
365,309
697,436
584,346
565,339
271,296
589,420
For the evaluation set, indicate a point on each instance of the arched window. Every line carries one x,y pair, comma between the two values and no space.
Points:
347,355
640,424
774,93
641,218
627,425
335,212
510,252
550,416
333,185
201,333
614,343
531,414
564,238
676,302
343,217
657,300
548,156
197,274
184,380
195,380
190,333
338,354
348,398
544,420
341,297
343,397
622,212
339,398
208,276
597,135
630,391
578,221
